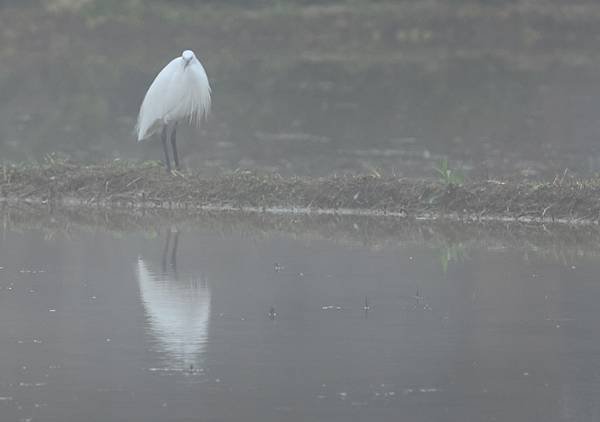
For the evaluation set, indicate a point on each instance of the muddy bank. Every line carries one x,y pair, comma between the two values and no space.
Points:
120,185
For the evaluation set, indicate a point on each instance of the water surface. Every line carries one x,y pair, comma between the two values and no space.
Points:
225,325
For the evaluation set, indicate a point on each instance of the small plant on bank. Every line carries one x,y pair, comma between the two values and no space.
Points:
447,175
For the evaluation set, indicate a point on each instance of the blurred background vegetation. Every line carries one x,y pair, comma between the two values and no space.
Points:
313,87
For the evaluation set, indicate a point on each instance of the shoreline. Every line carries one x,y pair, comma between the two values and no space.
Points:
453,239
123,185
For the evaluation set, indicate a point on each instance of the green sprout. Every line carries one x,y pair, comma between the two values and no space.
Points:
447,175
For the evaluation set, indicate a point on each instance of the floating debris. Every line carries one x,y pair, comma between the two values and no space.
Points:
191,369
33,384
26,271
421,390
366,306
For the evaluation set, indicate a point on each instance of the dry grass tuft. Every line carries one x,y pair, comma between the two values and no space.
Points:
148,185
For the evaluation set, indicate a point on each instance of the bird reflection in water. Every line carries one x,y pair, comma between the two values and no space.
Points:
177,308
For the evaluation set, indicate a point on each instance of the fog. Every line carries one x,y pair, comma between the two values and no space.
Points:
500,89
449,275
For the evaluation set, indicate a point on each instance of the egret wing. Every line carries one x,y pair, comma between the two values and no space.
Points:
157,101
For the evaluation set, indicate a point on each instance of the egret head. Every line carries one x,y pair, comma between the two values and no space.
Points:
187,56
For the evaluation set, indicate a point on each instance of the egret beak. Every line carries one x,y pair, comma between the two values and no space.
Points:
187,62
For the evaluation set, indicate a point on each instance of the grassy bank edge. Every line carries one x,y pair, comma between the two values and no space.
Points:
120,184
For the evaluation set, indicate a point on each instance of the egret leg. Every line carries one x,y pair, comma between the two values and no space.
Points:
165,252
174,253
174,145
164,142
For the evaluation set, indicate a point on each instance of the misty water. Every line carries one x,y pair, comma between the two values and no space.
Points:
230,324
359,88
303,321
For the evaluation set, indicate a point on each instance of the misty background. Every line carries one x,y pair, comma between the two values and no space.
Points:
500,88
125,304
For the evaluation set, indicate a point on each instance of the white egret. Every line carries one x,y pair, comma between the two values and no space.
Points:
180,91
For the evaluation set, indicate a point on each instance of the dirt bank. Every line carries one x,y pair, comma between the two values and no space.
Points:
147,186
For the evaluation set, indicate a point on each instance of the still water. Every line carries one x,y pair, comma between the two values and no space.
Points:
225,325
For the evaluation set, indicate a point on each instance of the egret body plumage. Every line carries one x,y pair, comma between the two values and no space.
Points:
179,92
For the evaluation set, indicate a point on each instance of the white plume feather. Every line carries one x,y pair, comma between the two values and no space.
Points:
180,91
